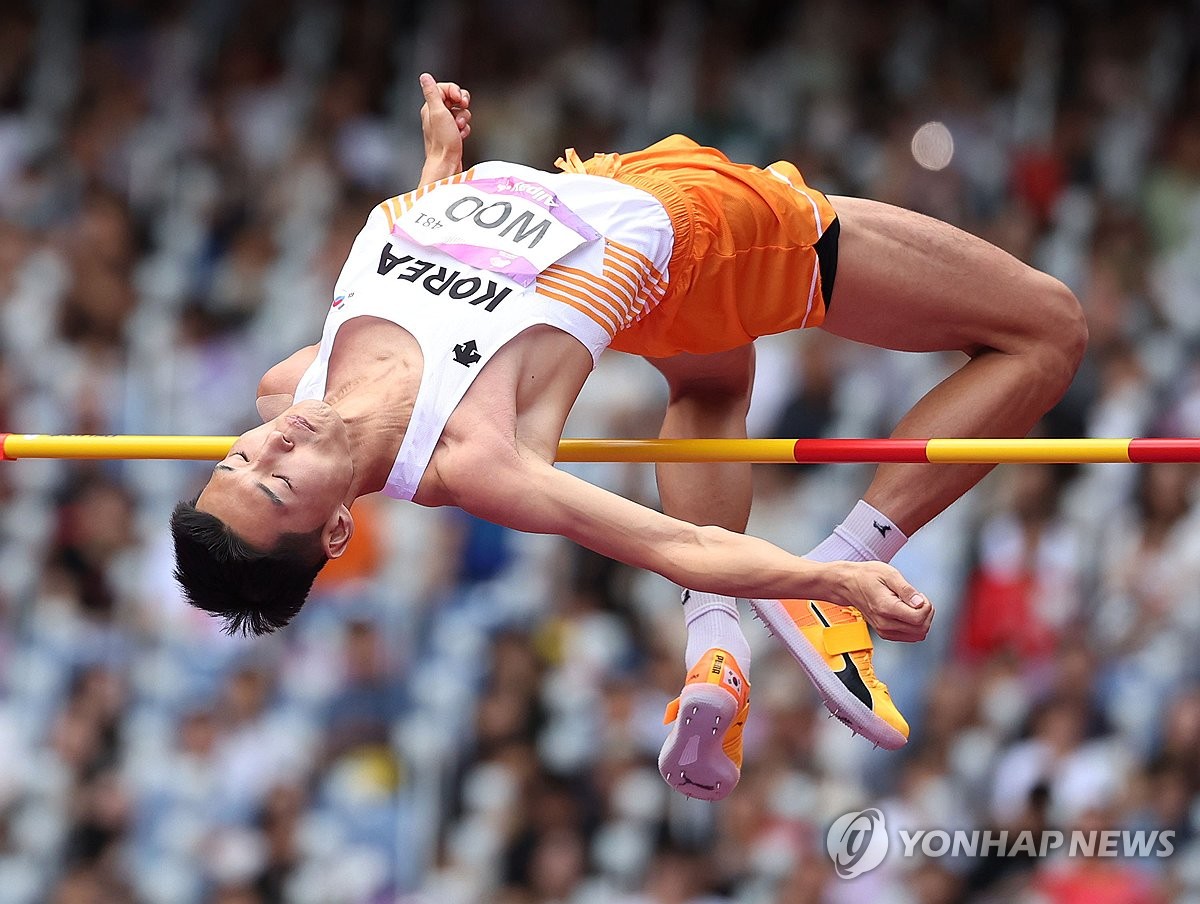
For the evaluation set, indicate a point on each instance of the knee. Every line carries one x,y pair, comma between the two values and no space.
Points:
717,382
712,394
1062,334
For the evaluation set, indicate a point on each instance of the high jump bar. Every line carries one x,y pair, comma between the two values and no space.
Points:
15,446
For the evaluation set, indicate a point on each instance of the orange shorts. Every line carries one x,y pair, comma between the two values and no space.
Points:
744,263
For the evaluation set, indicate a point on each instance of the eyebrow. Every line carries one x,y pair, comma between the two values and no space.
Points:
262,486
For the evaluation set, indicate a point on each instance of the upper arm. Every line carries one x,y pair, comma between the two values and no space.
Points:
531,495
284,376
278,385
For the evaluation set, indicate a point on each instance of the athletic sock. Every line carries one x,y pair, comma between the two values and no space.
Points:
867,535
712,621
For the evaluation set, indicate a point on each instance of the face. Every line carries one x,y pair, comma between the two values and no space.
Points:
291,475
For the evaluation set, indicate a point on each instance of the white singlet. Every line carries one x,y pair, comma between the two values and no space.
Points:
467,263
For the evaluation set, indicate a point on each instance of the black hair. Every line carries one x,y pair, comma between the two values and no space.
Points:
254,590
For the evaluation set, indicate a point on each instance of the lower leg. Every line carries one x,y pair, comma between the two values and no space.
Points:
710,396
989,396
717,493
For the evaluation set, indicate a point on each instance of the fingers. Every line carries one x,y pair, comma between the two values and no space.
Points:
452,94
893,620
902,612
448,96
462,119
891,628
459,101
445,94
432,91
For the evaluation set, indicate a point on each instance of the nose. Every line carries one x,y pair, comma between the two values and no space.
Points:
275,444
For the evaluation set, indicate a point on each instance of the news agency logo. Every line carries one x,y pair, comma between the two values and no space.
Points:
857,842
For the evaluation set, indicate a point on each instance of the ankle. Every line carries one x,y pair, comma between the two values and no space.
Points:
866,535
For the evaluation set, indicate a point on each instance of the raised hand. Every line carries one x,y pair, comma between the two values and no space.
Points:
445,124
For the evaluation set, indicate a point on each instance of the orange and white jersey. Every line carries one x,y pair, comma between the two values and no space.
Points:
614,278
467,263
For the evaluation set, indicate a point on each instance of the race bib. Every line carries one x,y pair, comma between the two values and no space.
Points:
505,225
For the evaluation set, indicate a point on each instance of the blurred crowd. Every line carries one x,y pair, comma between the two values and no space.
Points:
463,715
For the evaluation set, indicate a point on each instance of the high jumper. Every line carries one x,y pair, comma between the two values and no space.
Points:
470,312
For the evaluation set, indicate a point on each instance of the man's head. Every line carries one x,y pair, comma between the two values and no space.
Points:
273,513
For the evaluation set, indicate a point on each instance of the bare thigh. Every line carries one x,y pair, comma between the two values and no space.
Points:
909,282
719,375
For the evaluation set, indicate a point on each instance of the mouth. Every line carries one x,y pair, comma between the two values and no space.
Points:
296,421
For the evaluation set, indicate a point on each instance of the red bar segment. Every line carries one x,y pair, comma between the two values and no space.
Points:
3,457
818,451
1155,450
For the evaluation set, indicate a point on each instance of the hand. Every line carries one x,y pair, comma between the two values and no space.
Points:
445,119
890,604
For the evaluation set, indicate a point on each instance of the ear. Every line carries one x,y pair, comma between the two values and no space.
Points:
338,531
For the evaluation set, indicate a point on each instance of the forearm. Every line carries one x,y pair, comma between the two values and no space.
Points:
526,494
440,166
718,561
715,560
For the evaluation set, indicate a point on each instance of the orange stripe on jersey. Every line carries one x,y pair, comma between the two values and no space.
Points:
649,293
396,206
648,298
643,276
636,257
640,293
630,279
593,298
547,292
593,291
600,321
604,284
616,320
386,207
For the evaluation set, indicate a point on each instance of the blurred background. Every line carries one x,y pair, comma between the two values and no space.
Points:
465,715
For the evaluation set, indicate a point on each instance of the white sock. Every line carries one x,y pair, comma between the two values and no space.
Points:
867,535
712,621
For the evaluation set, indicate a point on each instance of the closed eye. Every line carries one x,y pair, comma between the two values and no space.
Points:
243,457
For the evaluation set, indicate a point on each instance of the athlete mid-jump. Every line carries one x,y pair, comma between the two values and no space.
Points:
470,312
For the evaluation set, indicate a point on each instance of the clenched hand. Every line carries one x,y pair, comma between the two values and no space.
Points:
890,604
445,118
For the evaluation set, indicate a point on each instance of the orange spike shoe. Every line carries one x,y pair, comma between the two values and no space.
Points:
832,644
702,756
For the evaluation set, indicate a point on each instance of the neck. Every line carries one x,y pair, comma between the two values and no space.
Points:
375,434
372,385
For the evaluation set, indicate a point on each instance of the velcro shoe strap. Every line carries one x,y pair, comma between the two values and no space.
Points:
850,637
672,712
